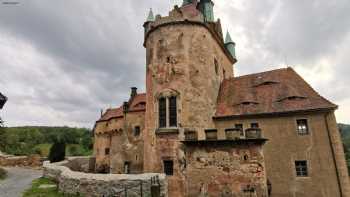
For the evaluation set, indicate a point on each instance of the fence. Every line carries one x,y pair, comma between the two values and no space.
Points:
140,190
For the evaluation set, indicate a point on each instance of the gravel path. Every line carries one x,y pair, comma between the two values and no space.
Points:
17,181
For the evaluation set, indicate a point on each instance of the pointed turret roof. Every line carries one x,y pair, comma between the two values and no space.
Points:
228,38
150,17
185,2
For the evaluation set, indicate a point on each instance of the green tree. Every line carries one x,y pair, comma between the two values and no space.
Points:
57,151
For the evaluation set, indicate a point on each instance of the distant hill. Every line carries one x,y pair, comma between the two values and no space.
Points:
345,133
38,140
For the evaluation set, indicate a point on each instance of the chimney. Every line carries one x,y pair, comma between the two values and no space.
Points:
133,92
125,107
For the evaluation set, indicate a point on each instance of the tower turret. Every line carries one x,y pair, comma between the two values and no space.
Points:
230,45
150,19
186,2
207,9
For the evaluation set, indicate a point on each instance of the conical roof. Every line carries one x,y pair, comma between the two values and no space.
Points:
150,17
228,38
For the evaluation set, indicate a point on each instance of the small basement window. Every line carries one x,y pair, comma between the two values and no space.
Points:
302,127
137,131
301,168
107,151
168,167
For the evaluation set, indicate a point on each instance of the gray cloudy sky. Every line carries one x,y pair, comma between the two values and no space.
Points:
62,61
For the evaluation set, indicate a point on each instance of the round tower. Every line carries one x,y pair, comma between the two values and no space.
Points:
186,61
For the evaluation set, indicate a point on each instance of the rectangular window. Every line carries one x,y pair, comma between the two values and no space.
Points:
162,112
302,127
172,112
254,125
137,131
301,168
106,151
168,167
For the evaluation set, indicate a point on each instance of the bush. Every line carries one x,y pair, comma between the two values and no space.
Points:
57,152
3,173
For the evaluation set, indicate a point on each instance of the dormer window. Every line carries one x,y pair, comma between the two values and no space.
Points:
167,112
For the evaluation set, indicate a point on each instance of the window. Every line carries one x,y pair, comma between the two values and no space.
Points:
137,131
162,112
302,127
254,125
127,167
240,127
216,64
106,151
172,112
168,167
301,168
168,112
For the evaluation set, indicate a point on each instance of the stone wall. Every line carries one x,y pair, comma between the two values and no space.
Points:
30,161
97,185
225,168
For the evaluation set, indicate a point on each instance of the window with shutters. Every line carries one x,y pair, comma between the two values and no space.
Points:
172,112
162,112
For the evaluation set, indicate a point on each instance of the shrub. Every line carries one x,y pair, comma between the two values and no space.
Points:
3,173
57,152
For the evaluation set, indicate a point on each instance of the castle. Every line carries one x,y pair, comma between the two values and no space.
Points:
215,134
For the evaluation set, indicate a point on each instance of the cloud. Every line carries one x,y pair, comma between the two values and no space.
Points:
63,61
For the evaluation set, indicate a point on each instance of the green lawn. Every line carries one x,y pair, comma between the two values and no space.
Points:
35,191
71,150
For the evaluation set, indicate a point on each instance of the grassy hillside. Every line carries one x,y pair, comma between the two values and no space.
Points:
38,140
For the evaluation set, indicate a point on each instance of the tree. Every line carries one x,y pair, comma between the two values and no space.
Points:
57,151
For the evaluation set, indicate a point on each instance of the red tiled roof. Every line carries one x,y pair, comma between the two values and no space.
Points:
276,91
138,103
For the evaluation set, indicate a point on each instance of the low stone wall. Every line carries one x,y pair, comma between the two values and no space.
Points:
30,161
97,185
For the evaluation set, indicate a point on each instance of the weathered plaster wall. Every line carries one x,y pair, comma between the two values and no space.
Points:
225,169
185,60
285,146
96,185
117,134
126,147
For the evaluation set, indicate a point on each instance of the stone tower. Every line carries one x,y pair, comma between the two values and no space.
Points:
187,60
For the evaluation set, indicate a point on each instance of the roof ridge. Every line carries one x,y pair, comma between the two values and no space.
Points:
264,72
